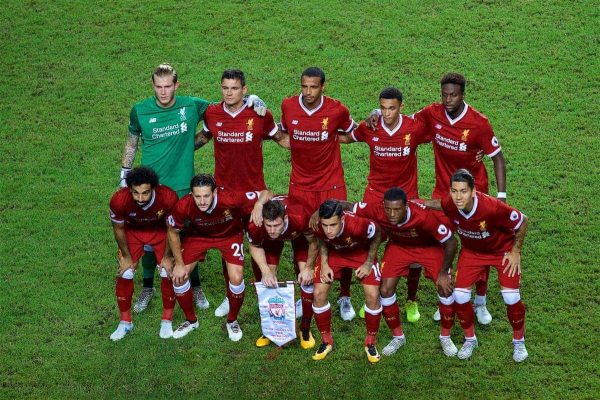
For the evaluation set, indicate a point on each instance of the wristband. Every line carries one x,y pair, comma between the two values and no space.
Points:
124,172
501,195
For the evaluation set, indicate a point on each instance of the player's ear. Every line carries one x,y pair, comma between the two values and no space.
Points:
401,106
244,89
176,85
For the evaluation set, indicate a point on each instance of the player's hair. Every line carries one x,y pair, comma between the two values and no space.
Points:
455,78
164,70
462,175
330,208
201,180
140,176
273,209
314,72
391,93
395,194
234,74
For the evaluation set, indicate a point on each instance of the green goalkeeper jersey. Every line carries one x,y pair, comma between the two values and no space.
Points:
167,136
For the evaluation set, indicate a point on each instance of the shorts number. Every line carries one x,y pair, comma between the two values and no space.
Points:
238,250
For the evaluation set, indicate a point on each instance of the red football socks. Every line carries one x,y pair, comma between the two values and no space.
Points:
465,315
323,321
516,317
307,310
391,314
447,319
168,298
124,293
372,323
186,302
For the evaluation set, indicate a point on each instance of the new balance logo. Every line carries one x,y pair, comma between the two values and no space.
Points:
295,122
219,124
152,120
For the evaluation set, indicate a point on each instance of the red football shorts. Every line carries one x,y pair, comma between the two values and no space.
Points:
194,248
472,266
374,278
311,201
136,239
397,260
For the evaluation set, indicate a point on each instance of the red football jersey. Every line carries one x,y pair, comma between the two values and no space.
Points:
393,154
221,220
352,243
489,227
421,227
296,226
238,141
456,143
316,156
124,210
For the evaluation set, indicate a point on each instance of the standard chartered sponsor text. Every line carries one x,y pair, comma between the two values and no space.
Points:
307,136
165,131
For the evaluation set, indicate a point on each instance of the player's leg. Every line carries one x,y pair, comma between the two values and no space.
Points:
199,297
148,291
166,287
322,314
412,286
223,308
479,304
371,285
515,311
185,299
236,294
468,271
124,294
391,314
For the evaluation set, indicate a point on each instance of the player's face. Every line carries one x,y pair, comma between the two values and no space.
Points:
233,93
203,197
141,194
275,227
452,98
312,89
332,226
462,195
395,211
390,111
164,90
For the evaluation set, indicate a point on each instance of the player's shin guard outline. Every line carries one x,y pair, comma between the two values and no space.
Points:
124,293
372,321
185,298
464,311
323,320
236,295
515,311
446,307
168,294
306,296
391,314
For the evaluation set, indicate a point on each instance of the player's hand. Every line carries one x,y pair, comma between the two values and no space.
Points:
326,273
314,221
513,263
444,284
372,119
180,275
269,279
479,156
125,263
306,276
168,263
259,106
256,215
364,270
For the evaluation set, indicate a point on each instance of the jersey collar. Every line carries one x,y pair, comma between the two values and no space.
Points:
285,225
462,114
396,128
408,214
341,230
234,114
469,215
214,204
151,202
306,110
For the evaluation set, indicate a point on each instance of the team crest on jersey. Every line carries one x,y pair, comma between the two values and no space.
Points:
348,241
407,140
276,308
160,213
227,214
482,226
465,135
413,233
250,124
182,114
325,123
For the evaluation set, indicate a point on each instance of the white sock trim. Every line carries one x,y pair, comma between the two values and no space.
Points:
462,295
447,301
511,296
479,300
321,310
183,288
307,288
128,274
237,289
387,301
373,312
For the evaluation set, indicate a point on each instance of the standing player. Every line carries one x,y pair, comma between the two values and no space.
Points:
313,122
279,224
491,234
238,134
138,215
458,133
345,242
166,126
415,235
393,147
214,219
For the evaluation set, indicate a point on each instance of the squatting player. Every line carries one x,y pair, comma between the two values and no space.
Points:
345,242
214,219
393,143
415,235
282,223
138,213
491,234
238,133
314,122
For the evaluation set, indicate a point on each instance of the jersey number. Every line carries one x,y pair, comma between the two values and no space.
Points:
238,250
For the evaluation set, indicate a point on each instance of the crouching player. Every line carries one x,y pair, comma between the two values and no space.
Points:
281,223
415,235
138,214
214,223
491,234
345,242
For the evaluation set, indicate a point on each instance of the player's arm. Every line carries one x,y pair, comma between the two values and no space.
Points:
326,272
124,257
256,216
180,273
513,257
374,243
282,139
202,138
346,138
128,156
434,204
269,275
444,280
500,172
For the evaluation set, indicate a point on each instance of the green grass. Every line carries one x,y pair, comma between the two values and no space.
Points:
73,69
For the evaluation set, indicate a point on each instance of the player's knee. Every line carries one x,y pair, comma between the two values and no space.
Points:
128,274
447,301
387,301
511,296
374,310
237,289
462,296
307,288
183,288
387,291
372,298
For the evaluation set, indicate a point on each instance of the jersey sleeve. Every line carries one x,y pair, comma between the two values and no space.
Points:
508,217
201,106
363,210
134,123
178,216
254,235
447,204
171,200
116,211
364,228
270,128
283,123
437,228
488,142
422,132
359,134
346,121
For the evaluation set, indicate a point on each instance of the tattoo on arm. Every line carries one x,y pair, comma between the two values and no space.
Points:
520,234
130,149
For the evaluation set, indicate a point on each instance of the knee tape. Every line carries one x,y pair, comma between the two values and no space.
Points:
128,274
387,301
462,296
511,296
